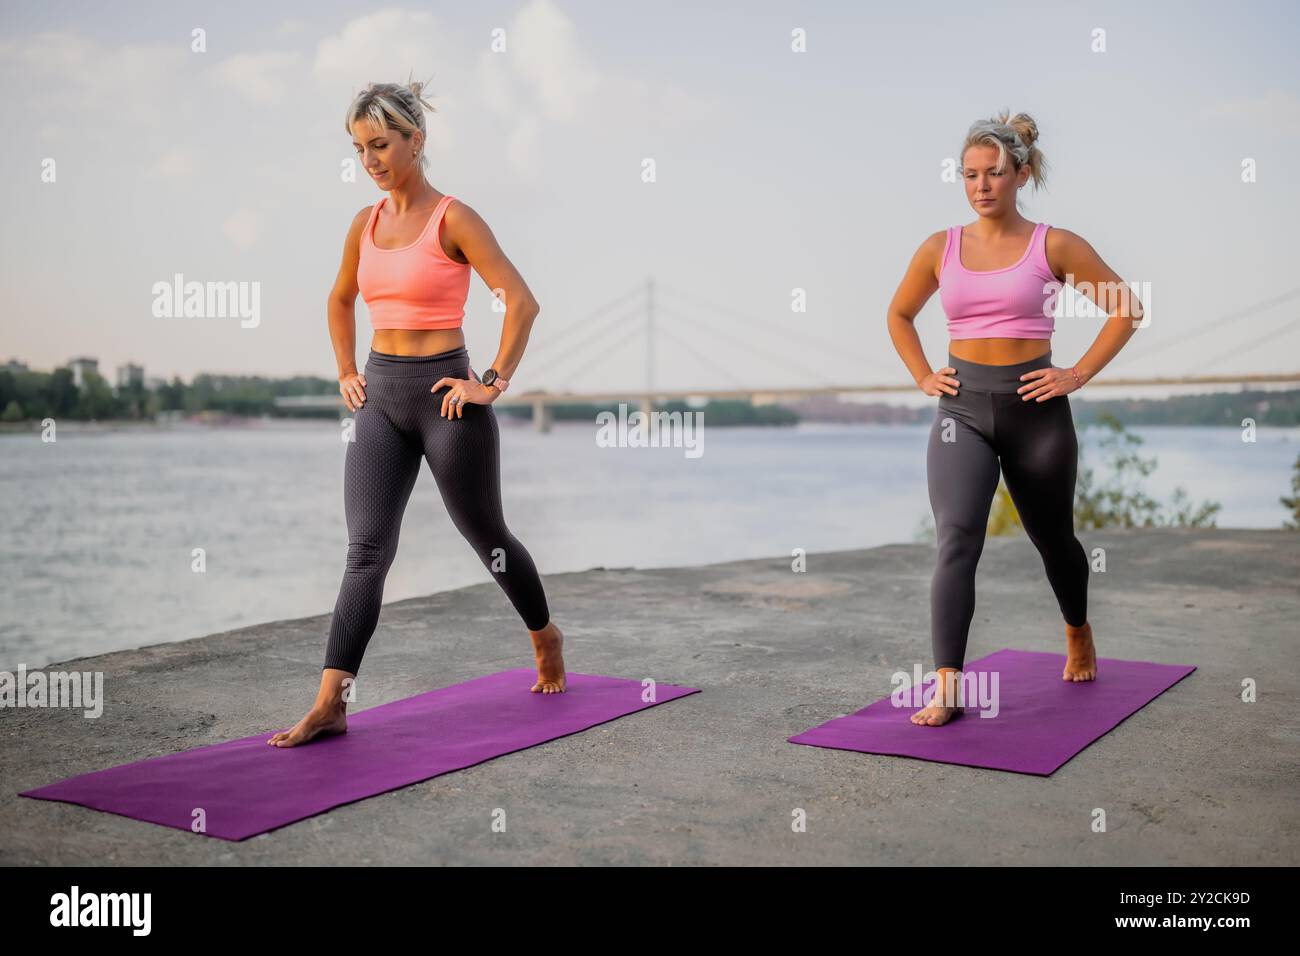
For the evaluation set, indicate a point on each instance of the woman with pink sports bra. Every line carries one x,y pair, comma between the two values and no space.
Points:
417,400
1002,403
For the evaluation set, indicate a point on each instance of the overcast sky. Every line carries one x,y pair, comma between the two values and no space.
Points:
776,170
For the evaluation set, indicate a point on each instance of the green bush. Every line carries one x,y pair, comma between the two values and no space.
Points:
1292,502
1121,502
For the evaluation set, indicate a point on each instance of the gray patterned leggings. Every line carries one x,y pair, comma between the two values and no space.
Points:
984,429
397,428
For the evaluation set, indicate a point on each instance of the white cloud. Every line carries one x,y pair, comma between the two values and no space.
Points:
395,46
1274,109
264,79
522,149
492,79
386,47
93,86
242,227
547,97
549,56
177,162
546,74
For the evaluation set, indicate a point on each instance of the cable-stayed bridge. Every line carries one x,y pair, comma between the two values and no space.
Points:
654,314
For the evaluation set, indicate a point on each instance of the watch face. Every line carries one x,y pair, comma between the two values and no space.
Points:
489,376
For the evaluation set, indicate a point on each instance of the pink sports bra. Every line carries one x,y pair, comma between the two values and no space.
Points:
1017,302
417,286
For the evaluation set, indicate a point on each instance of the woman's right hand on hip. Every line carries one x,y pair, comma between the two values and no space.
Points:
352,388
940,382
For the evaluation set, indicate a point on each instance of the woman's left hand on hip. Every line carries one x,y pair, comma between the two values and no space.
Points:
464,391
1044,383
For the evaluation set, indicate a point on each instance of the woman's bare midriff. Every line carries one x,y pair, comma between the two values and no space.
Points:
417,341
999,351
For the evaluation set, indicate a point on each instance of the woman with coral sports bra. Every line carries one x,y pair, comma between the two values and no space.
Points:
1002,403
418,400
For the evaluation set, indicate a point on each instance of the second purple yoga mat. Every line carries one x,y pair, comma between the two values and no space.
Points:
246,787
1042,721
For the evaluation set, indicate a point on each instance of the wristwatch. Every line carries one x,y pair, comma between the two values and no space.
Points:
490,377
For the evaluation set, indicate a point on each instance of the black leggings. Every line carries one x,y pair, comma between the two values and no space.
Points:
397,427
984,423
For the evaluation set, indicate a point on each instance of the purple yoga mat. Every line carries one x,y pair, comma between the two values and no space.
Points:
247,786
1042,721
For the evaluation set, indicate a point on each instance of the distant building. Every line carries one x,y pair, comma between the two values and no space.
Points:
130,374
153,383
81,367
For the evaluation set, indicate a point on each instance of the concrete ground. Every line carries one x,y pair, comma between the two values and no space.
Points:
1196,777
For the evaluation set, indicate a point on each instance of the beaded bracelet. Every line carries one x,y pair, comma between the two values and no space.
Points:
1075,373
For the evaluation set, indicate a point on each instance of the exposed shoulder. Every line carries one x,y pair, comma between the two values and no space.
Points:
930,253
1064,242
462,225
459,214
1065,250
935,242
360,219
352,242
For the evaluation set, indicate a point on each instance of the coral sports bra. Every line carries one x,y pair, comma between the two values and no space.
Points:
1018,302
416,286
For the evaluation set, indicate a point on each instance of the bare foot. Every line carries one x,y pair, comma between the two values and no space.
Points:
547,648
936,715
319,722
1080,655
943,707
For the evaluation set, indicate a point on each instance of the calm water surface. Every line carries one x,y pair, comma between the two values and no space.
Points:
98,529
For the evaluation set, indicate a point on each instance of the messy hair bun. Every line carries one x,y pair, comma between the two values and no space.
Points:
390,106
1014,136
